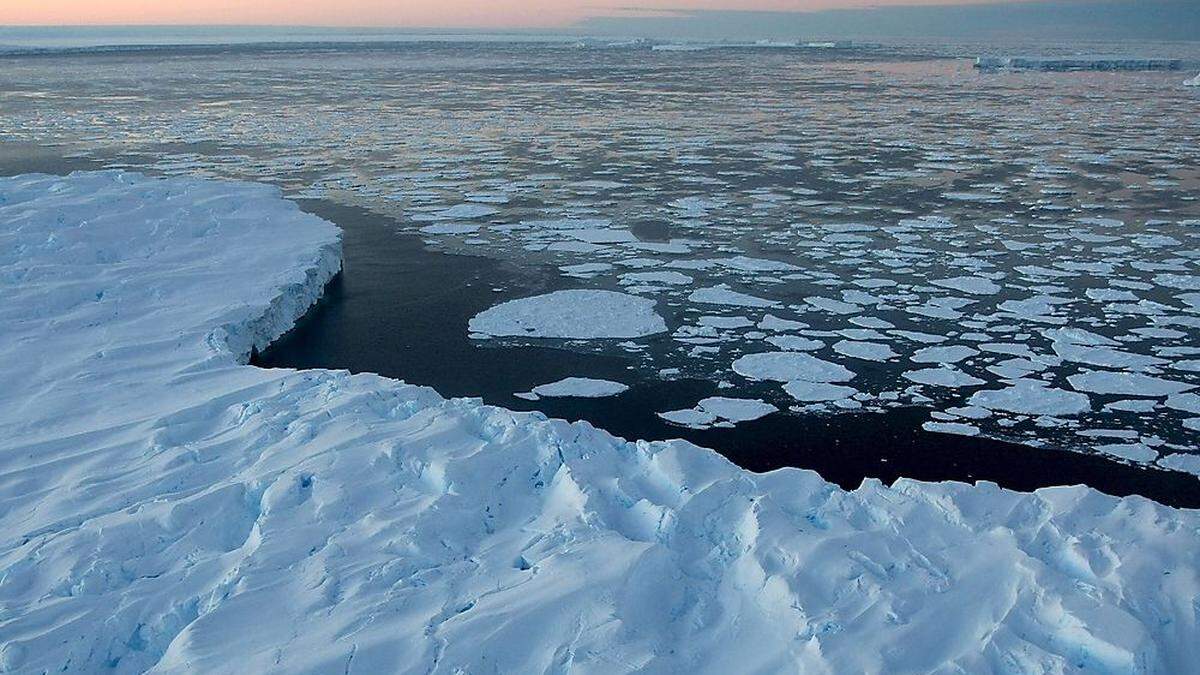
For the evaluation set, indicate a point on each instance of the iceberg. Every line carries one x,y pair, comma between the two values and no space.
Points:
1194,82
167,507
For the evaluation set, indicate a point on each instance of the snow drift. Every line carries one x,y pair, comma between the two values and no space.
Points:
165,507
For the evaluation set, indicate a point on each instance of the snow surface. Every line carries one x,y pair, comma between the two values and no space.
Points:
166,507
580,387
579,314
1032,397
719,410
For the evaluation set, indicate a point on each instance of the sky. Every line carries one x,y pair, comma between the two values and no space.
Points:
473,14
700,19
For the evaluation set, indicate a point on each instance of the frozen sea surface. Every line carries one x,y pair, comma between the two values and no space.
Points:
167,507
861,206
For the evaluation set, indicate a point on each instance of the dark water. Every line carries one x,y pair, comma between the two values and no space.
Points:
401,310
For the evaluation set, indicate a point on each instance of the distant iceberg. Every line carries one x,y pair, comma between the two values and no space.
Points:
1194,82
1075,63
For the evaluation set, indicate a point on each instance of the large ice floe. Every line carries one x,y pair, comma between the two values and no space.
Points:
166,507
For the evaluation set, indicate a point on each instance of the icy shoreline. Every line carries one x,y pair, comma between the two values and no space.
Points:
164,507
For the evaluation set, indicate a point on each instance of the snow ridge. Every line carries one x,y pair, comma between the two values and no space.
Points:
164,508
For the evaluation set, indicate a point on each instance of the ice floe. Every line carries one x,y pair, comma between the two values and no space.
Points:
719,411
1032,397
580,387
576,314
788,366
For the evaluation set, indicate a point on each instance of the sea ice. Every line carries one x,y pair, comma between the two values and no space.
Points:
958,428
168,508
736,409
943,377
1134,452
1032,397
808,392
788,366
576,314
867,351
950,354
580,387
722,295
1126,384
719,409
972,285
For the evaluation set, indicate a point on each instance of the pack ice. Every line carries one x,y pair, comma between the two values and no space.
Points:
165,507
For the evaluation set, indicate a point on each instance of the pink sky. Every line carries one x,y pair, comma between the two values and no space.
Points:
399,13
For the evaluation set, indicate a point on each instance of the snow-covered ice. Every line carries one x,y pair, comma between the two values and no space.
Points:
1126,384
788,366
722,295
943,377
578,314
166,507
812,392
1032,397
580,387
719,410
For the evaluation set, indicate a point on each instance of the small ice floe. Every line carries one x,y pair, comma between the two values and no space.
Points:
1126,384
1134,452
816,392
668,278
585,270
981,197
943,377
958,428
1181,462
1194,82
725,322
972,285
575,387
1032,397
719,411
450,228
1132,405
743,263
831,306
867,351
789,366
466,211
775,324
722,295
1189,403
795,343
950,354
576,314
